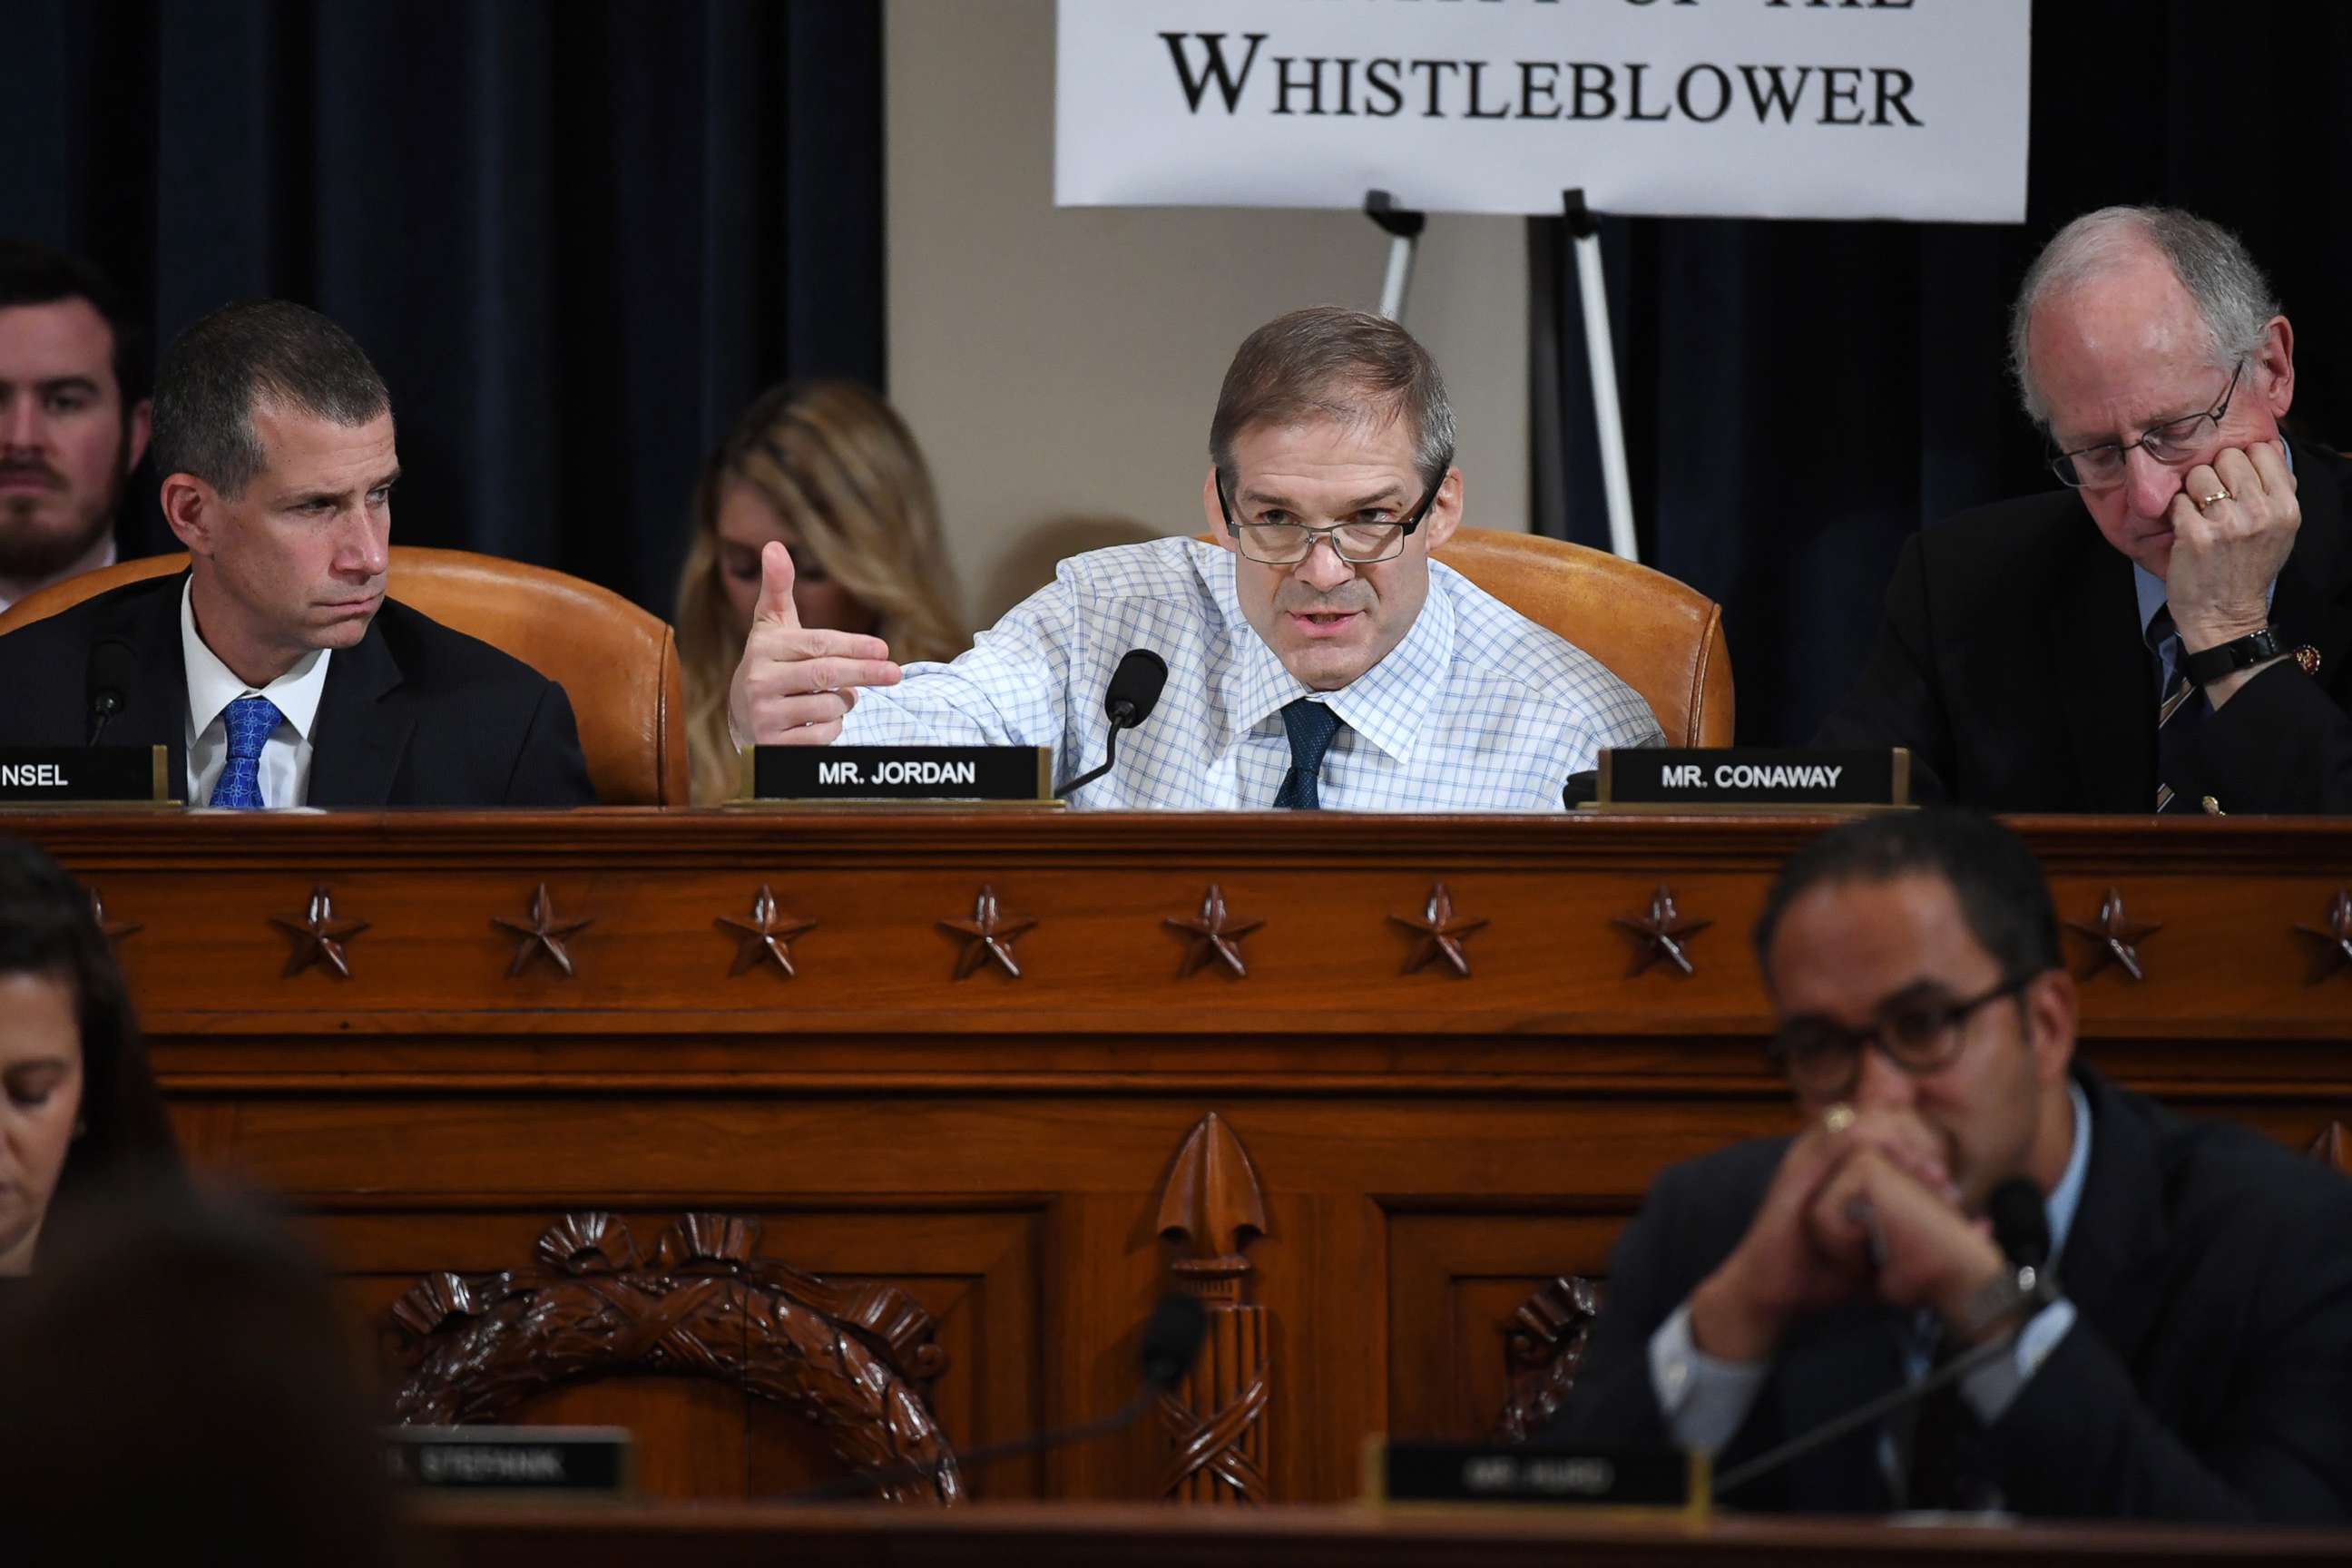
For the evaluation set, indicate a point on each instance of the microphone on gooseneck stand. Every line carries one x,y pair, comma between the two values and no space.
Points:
1134,692
2020,1224
108,679
1172,1343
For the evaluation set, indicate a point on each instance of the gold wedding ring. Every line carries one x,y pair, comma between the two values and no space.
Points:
2220,495
1837,1119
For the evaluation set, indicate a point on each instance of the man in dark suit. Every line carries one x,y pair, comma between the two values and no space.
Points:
276,670
2186,651
73,418
2196,1361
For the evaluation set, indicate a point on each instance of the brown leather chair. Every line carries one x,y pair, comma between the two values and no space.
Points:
1660,636
617,663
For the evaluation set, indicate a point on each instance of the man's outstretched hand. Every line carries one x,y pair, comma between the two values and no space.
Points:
795,683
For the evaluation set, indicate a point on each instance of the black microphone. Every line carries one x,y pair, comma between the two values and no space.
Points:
113,671
1134,693
1580,789
1172,1343
2020,1224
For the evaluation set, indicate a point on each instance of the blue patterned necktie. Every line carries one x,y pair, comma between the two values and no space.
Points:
251,721
1311,725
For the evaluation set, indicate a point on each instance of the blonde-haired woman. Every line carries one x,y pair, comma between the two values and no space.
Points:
831,471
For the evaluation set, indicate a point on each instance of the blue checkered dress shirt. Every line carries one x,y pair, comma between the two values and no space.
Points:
1478,708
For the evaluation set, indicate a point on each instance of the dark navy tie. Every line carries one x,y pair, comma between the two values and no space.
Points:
251,721
1311,725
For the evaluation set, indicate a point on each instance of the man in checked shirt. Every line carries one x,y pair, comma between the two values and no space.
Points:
1317,659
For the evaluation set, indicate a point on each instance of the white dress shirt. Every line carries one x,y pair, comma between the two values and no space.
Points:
1706,1399
1477,709
212,687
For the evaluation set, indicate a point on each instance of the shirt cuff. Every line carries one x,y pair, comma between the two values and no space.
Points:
1704,1399
1992,1388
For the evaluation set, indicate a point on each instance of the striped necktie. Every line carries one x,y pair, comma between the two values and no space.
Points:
2178,718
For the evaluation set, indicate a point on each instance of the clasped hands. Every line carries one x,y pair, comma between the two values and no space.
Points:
1863,1207
2226,551
795,684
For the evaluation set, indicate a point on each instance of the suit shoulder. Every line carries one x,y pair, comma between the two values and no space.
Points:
1994,548
1729,1182
116,610
435,657
2225,1181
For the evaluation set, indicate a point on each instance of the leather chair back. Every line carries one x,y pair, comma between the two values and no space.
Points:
1660,636
617,663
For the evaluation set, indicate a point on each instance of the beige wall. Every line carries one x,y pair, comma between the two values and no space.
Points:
1056,362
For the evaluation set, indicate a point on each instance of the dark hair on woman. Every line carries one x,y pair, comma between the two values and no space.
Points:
49,928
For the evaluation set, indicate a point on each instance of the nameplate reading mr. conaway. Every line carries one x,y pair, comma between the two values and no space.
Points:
1747,777
66,776
901,773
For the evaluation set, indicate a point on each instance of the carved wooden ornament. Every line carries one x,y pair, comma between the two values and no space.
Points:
1216,935
1211,1210
115,931
1543,1346
1441,933
850,1361
766,938
1665,934
988,936
2335,936
545,933
2118,937
319,936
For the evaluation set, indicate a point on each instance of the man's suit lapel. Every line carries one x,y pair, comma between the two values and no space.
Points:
2118,1239
1842,1359
2100,668
157,714
360,738
2313,606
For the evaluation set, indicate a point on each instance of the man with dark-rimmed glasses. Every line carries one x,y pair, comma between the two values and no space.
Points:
2191,1362
2185,655
1316,658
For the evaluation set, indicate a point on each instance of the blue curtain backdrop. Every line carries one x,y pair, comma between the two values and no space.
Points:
1800,396
575,236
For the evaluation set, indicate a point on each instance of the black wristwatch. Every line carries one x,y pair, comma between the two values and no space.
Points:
2216,663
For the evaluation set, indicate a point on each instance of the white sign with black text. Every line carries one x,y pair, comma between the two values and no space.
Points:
1897,109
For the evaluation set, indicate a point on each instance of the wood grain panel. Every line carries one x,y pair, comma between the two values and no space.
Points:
1428,1148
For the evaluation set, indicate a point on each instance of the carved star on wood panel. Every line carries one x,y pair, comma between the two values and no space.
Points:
2335,936
2117,935
1442,931
319,936
1216,935
545,933
115,931
989,936
1665,934
766,937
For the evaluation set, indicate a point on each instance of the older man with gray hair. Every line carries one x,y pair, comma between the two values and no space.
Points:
1317,659
2195,661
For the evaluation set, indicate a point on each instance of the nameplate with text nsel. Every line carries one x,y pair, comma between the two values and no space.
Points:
510,1459
1499,1473
1748,777
91,776
900,772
